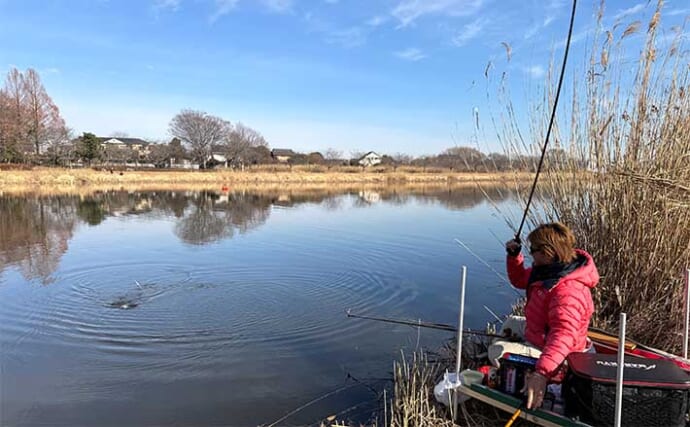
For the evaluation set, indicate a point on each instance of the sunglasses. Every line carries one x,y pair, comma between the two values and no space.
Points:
534,249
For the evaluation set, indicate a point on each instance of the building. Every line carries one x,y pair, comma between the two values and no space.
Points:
216,160
369,159
282,155
137,145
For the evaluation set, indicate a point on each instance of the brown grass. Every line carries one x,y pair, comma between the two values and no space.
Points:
58,177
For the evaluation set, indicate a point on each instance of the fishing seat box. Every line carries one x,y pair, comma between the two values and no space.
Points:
655,391
511,374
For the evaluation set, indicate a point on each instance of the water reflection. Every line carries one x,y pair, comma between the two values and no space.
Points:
144,308
36,230
35,233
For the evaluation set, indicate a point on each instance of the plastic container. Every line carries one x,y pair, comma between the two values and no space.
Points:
446,387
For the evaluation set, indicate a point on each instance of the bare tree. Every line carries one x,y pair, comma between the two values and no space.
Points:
200,131
242,142
59,146
333,155
13,116
160,154
44,124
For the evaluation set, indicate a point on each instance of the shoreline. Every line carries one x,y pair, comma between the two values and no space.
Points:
62,179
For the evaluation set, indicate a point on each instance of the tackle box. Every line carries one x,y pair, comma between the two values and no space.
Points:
655,391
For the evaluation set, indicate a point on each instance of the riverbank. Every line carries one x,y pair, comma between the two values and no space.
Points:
62,177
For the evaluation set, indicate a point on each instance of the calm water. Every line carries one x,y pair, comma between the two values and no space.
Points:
199,309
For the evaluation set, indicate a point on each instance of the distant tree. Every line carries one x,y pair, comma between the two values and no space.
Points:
260,155
200,131
29,120
333,156
315,158
13,117
459,158
177,150
498,161
402,159
241,143
387,160
160,154
119,134
89,147
44,124
60,147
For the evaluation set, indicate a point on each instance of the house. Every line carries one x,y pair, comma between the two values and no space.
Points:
140,146
282,155
216,160
369,159
183,163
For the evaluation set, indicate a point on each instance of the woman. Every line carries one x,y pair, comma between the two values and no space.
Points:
559,301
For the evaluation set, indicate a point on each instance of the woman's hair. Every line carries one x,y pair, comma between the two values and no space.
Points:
555,240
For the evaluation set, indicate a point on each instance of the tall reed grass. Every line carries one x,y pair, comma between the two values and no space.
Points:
620,174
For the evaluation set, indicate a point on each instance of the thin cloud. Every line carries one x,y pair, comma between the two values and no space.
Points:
469,31
278,6
348,38
223,7
535,71
577,37
408,11
534,29
411,54
172,5
629,11
676,12
376,21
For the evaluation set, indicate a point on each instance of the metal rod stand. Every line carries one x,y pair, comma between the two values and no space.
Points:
619,372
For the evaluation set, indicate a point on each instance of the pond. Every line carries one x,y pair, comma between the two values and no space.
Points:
229,308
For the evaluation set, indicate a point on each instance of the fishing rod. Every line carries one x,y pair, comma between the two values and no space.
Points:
551,121
421,324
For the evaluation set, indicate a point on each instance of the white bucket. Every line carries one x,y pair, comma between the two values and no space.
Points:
443,391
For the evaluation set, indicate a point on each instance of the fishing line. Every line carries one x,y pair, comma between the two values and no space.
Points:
480,259
551,121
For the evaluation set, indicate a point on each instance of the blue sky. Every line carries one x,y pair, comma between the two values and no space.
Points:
356,75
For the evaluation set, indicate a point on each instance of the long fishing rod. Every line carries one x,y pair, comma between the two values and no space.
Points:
421,324
553,117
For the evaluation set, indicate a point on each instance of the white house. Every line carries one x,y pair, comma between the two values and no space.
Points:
216,160
369,159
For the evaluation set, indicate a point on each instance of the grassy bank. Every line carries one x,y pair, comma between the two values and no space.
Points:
296,175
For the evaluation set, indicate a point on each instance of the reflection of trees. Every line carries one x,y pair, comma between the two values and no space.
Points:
202,225
215,217
34,233
91,211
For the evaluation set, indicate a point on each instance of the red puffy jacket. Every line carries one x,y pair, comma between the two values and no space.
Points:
557,315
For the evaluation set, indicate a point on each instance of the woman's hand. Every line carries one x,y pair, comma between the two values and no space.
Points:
535,387
513,247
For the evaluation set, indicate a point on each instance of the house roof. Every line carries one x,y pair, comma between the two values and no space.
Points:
126,141
218,158
282,152
371,152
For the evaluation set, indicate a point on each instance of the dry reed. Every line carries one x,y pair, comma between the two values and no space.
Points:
276,174
631,132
